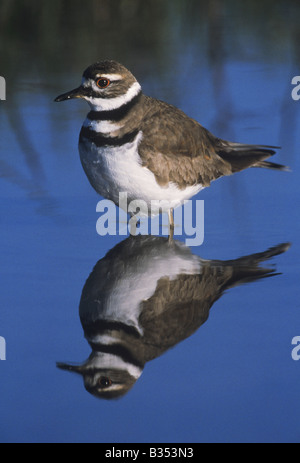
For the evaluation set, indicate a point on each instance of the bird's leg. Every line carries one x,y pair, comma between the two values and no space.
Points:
171,224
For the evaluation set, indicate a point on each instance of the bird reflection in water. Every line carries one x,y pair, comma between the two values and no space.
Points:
144,297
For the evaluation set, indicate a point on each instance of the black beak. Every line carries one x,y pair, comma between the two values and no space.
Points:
76,93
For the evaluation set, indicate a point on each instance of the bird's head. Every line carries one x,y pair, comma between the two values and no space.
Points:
106,85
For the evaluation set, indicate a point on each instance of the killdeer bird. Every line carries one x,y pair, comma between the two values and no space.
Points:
147,148
143,298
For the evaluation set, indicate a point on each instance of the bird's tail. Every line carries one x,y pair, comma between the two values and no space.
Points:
241,156
249,269
273,166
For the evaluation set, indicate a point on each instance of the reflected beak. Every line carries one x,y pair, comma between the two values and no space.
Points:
74,368
79,92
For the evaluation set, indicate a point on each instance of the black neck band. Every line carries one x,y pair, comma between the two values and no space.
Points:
114,114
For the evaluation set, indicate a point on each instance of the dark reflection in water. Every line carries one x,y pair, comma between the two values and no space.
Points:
144,297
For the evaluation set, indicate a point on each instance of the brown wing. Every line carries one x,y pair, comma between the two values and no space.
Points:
178,149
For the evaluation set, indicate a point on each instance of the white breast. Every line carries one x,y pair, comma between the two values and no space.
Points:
113,170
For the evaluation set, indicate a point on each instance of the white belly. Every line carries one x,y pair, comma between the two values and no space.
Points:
113,170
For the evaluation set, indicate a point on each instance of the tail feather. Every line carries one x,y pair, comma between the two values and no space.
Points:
250,268
272,165
241,156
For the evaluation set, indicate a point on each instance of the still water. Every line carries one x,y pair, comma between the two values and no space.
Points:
207,356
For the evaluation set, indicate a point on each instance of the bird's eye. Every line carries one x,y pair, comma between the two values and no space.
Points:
102,83
104,382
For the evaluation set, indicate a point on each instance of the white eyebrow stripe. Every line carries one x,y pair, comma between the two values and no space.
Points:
111,77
